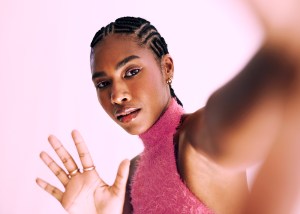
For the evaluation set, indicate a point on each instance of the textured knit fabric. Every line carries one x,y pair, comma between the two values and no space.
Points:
156,185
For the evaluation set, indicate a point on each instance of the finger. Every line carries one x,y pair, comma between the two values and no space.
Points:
119,186
63,154
55,192
83,152
56,169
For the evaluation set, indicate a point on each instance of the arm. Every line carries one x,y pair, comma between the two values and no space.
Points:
277,185
246,113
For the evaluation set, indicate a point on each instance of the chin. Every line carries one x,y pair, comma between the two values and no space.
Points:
135,130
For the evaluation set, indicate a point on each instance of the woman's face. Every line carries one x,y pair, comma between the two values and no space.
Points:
131,85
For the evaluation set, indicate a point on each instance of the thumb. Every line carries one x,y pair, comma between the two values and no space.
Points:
119,185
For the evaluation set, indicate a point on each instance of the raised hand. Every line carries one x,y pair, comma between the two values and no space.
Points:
85,192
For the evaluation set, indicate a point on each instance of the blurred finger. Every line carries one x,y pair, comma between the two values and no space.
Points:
55,192
63,154
55,168
83,151
119,186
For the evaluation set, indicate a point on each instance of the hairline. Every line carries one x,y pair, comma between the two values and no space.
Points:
132,37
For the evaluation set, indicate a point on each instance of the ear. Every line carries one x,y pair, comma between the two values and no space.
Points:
167,67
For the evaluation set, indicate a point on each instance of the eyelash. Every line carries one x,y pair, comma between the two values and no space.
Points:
135,73
107,83
98,85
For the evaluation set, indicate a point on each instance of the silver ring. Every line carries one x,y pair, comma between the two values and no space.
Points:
89,168
74,172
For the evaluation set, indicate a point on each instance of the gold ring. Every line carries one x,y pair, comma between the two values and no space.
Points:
74,172
89,168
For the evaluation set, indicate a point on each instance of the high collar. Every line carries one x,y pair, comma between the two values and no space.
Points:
165,126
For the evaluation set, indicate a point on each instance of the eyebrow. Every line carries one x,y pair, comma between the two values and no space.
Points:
98,74
118,66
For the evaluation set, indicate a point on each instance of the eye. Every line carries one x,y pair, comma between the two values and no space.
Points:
132,72
102,84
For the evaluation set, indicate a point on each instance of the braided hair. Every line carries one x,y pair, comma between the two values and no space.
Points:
146,35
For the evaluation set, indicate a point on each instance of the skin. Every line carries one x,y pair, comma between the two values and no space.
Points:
127,86
139,83
209,144
148,90
84,192
277,186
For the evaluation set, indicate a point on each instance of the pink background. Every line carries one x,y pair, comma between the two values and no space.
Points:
45,81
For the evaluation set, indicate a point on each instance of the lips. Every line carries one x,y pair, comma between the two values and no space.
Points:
126,115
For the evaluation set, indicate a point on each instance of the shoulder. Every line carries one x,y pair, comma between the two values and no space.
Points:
193,142
192,129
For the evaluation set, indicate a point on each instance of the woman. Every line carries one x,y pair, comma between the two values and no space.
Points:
192,163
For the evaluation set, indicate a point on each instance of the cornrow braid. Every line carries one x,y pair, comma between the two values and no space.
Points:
174,95
145,29
145,33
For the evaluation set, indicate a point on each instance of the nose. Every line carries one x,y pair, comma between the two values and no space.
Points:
119,93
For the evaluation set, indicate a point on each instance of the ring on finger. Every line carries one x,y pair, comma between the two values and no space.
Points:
89,168
74,172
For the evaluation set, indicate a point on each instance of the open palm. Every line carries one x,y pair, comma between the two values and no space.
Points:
85,192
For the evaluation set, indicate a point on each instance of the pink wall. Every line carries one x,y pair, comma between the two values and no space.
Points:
45,82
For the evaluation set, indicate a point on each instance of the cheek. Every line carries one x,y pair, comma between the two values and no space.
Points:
147,89
158,87
155,96
154,82
104,101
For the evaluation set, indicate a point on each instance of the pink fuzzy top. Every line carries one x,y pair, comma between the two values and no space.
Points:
156,185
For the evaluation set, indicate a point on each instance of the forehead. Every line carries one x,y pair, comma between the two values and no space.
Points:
115,48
